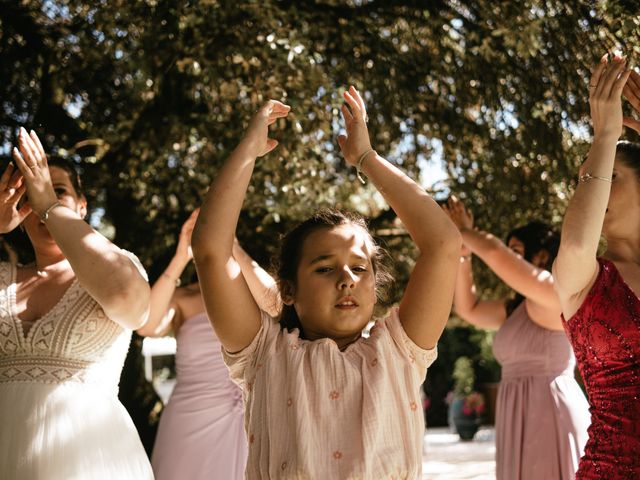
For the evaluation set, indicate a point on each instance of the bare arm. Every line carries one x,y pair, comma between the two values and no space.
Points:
103,269
576,268
230,306
481,313
264,288
165,306
426,304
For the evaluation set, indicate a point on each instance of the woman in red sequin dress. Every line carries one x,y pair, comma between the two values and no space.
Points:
599,296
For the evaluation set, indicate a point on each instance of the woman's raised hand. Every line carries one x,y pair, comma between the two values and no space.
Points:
356,141
11,190
257,135
458,213
605,89
32,162
184,241
631,91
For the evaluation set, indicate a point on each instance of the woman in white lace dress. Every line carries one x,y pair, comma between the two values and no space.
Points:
65,325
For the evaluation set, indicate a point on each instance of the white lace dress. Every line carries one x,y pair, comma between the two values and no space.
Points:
60,417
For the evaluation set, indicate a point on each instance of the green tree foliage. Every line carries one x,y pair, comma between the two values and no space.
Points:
151,96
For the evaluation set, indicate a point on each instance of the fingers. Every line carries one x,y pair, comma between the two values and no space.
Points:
20,163
607,83
276,109
28,148
346,114
25,210
631,123
271,144
356,95
38,144
4,179
341,140
631,90
597,74
356,111
620,82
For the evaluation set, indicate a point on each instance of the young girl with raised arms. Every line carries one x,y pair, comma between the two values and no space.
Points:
321,401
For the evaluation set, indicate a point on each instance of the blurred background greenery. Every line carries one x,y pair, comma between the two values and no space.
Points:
486,99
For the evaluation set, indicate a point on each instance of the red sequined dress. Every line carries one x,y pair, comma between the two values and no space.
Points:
605,334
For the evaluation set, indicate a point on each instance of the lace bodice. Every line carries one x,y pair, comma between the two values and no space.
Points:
74,341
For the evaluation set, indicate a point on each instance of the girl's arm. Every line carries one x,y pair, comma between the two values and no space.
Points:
164,310
576,267
104,270
426,304
264,288
230,306
535,284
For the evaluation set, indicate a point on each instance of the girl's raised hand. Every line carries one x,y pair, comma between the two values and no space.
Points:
605,90
32,162
184,241
11,190
356,141
631,91
257,135
458,213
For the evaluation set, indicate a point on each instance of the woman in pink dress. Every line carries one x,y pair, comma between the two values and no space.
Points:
599,295
201,432
541,413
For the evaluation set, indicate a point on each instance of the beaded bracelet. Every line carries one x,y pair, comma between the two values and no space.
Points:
45,215
177,281
587,176
359,164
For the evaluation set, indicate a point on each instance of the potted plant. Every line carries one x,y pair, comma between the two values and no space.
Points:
466,406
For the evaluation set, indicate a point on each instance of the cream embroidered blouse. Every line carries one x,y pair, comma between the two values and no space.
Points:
312,411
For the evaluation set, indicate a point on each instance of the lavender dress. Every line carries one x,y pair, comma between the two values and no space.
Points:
541,413
201,433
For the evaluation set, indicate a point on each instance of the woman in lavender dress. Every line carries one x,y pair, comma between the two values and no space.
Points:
201,432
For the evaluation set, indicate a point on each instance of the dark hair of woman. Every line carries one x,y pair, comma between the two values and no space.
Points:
536,236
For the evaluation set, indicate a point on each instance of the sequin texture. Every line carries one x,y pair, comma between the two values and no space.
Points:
605,334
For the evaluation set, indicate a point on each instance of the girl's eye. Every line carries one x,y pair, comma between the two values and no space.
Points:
59,191
359,268
323,269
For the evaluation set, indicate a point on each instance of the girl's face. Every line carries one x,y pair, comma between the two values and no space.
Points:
334,294
622,219
66,195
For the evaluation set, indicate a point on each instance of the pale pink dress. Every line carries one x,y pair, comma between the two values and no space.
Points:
312,411
201,432
542,415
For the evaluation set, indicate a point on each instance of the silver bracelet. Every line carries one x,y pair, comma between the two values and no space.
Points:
359,164
45,215
585,177
177,281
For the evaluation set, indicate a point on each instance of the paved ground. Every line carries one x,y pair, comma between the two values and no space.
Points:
447,457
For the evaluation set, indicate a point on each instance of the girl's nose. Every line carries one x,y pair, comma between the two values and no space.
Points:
347,279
